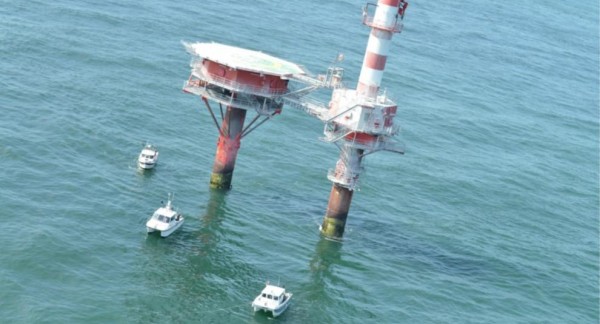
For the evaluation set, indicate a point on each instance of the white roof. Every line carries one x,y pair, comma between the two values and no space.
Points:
244,59
166,212
273,290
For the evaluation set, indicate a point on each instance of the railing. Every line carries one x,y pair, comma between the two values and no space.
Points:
239,100
332,136
243,100
311,106
343,178
232,85
395,28
333,79
383,142
382,130
309,80
368,20
381,99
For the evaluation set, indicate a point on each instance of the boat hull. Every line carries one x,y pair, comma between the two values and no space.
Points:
146,166
171,230
276,311
165,232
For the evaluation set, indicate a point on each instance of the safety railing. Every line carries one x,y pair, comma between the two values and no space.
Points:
369,20
233,85
308,105
238,100
345,179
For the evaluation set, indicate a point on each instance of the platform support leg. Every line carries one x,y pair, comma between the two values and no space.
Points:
337,212
228,145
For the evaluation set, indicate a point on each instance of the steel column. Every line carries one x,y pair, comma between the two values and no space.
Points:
337,211
227,148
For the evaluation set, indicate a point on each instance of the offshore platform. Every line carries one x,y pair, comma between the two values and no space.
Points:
358,121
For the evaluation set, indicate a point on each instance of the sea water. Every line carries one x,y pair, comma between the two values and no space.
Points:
491,216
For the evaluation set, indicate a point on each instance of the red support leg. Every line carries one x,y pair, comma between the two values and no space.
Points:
227,148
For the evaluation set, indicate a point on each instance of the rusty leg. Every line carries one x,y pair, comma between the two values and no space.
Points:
337,212
227,148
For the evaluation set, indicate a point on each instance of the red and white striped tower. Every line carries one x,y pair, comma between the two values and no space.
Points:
383,26
362,119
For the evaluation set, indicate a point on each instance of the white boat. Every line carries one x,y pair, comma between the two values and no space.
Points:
165,220
148,157
273,299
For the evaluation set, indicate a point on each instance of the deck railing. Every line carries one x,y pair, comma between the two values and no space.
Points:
235,86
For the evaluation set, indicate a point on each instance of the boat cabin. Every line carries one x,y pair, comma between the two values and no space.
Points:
148,154
273,293
166,218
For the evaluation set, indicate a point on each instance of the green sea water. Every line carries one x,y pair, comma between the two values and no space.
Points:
491,216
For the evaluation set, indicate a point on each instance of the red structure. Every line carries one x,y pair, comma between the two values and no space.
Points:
239,80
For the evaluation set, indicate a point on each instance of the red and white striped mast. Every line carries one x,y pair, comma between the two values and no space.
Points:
385,22
361,120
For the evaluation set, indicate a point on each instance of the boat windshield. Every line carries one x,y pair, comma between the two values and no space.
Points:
164,219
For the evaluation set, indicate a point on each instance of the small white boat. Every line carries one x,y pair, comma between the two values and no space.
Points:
273,299
148,157
165,220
